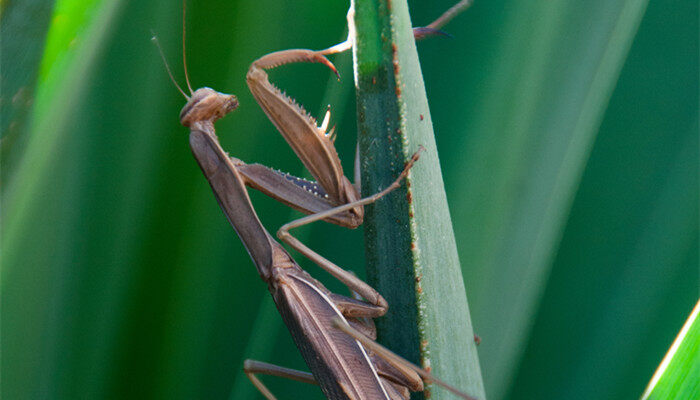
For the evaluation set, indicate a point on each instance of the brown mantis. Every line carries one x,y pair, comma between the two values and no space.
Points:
334,333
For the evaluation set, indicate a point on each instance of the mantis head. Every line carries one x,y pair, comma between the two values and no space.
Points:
207,104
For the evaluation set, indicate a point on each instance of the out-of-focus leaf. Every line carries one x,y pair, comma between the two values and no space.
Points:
21,56
36,250
524,146
626,270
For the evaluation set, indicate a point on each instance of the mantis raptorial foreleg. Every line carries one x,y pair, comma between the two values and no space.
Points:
312,143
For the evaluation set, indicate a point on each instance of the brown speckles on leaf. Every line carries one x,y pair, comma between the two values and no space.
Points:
395,64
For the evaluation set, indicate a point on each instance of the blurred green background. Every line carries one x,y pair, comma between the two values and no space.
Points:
568,137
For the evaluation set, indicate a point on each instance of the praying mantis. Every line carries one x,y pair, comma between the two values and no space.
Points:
341,366
334,333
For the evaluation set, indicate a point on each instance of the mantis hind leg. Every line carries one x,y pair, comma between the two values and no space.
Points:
399,364
253,367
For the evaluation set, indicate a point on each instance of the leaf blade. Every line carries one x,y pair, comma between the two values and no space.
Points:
410,247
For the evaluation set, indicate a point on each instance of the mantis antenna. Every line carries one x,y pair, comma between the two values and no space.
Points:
184,56
167,67
184,52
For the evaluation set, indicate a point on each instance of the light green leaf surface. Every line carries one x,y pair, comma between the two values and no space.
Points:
677,375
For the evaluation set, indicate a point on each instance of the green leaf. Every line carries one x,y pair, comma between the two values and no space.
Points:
677,375
410,247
